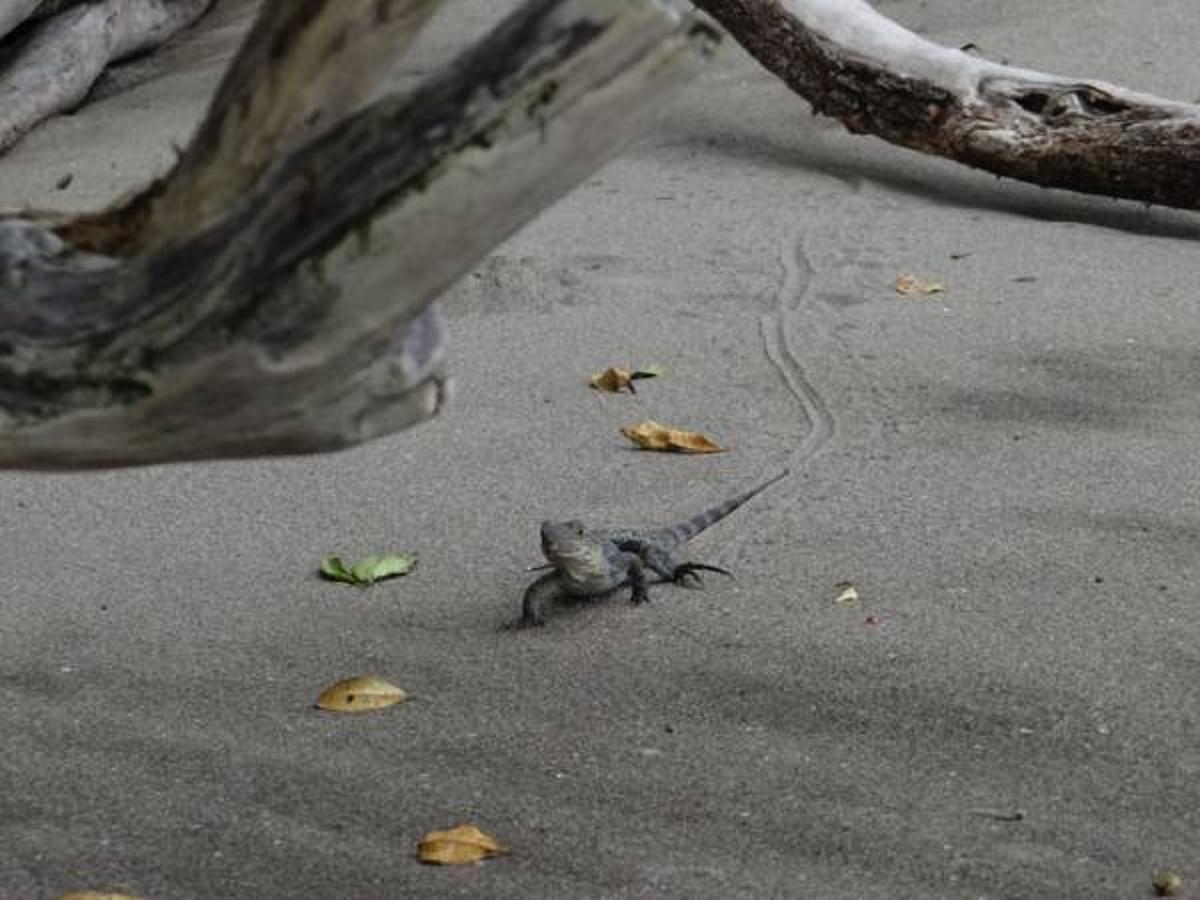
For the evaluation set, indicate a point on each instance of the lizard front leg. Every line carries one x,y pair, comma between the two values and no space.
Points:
637,578
531,606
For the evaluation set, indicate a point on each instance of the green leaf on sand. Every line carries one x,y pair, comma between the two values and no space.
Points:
367,570
334,569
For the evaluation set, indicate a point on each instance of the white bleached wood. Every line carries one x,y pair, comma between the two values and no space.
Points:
861,30
57,65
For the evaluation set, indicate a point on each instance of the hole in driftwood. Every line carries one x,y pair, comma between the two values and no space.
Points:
1099,104
1034,101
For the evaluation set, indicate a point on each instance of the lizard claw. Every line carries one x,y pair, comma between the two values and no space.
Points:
687,571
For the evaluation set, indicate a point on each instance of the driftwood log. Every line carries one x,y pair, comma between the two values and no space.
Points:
849,61
878,78
273,294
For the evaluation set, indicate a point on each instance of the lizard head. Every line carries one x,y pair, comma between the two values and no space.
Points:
576,553
562,538
564,542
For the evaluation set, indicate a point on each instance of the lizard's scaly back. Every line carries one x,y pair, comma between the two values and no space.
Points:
677,535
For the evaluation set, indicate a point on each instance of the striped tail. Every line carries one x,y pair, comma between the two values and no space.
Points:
689,528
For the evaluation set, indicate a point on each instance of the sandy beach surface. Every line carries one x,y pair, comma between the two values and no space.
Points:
1006,472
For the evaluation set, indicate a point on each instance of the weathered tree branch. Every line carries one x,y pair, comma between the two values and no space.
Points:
294,315
268,104
58,62
857,66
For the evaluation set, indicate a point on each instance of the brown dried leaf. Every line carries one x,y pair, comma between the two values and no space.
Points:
96,895
612,379
460,845
616,379
652,436
361,694
912,286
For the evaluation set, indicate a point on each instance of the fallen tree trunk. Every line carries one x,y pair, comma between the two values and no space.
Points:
877,78
57,63
292,311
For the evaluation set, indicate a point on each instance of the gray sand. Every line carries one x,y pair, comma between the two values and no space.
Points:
1006,471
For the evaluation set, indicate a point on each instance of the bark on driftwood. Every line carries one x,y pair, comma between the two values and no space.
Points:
272,295
857,66
52,67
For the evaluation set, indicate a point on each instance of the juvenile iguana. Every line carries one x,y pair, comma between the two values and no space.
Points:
590,562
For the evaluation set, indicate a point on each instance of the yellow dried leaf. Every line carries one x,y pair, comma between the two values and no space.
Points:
847,593
912,286
652,436
460,845
96,895
360,694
